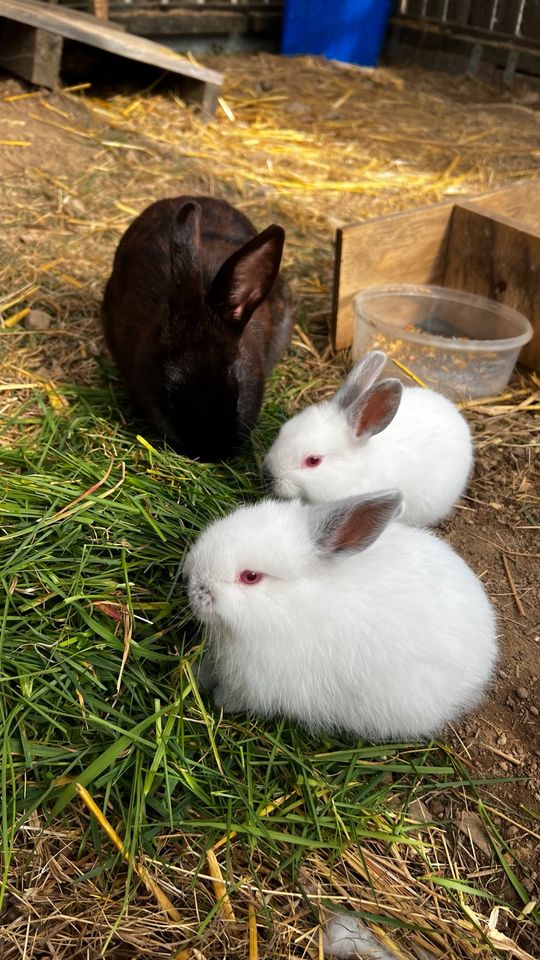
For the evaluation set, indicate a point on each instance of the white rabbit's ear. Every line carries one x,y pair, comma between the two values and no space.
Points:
355,523
362,376
374,410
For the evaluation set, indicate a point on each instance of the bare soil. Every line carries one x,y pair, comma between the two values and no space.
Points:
502,739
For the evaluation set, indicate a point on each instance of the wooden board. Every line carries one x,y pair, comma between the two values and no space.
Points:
520,202
204,21
100,8
464,47
431,245
265,21
182,22
202,84
35,55
471,33
495,257
386,250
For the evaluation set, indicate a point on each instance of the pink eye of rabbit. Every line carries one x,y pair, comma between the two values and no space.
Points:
312,461
249,577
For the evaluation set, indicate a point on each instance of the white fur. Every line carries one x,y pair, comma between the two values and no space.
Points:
391,642
425,452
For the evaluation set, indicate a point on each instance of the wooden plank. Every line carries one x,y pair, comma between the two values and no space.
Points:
84,16
482,12
473,34
443,52
182,22
264,21
414,247
530,25
493,256
459,11
436,9
520,202
408,247
35,55
506,16
78,26
415,8
100,8
432,52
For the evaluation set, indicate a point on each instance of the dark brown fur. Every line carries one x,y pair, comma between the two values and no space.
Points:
196,317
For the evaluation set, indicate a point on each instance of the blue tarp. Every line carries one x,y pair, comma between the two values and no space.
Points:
347,30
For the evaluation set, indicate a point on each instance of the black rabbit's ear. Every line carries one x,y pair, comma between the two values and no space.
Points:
355,523
246,278
186,259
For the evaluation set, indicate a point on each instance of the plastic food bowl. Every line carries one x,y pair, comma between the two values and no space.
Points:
461,345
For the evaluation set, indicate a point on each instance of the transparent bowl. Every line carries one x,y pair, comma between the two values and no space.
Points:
459,344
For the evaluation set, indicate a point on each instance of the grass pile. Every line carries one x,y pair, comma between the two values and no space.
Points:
97,650
237,838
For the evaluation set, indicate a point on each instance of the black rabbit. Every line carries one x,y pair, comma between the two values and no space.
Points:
196,317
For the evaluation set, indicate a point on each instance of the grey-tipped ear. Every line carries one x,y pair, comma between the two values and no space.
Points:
185,246
362,376
374,410
355,523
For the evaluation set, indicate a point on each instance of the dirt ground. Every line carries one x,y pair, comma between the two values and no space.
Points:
495,527
502,737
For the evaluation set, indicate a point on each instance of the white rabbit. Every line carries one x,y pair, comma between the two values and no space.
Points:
336,616
373,437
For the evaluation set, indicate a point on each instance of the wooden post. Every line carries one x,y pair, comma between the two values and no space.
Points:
31,53
100,8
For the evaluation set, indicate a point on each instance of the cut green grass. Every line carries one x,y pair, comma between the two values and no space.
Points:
97,688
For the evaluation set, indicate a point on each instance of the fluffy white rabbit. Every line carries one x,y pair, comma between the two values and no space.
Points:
374,436
341,618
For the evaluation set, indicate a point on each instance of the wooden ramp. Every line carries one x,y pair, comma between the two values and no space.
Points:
32,33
